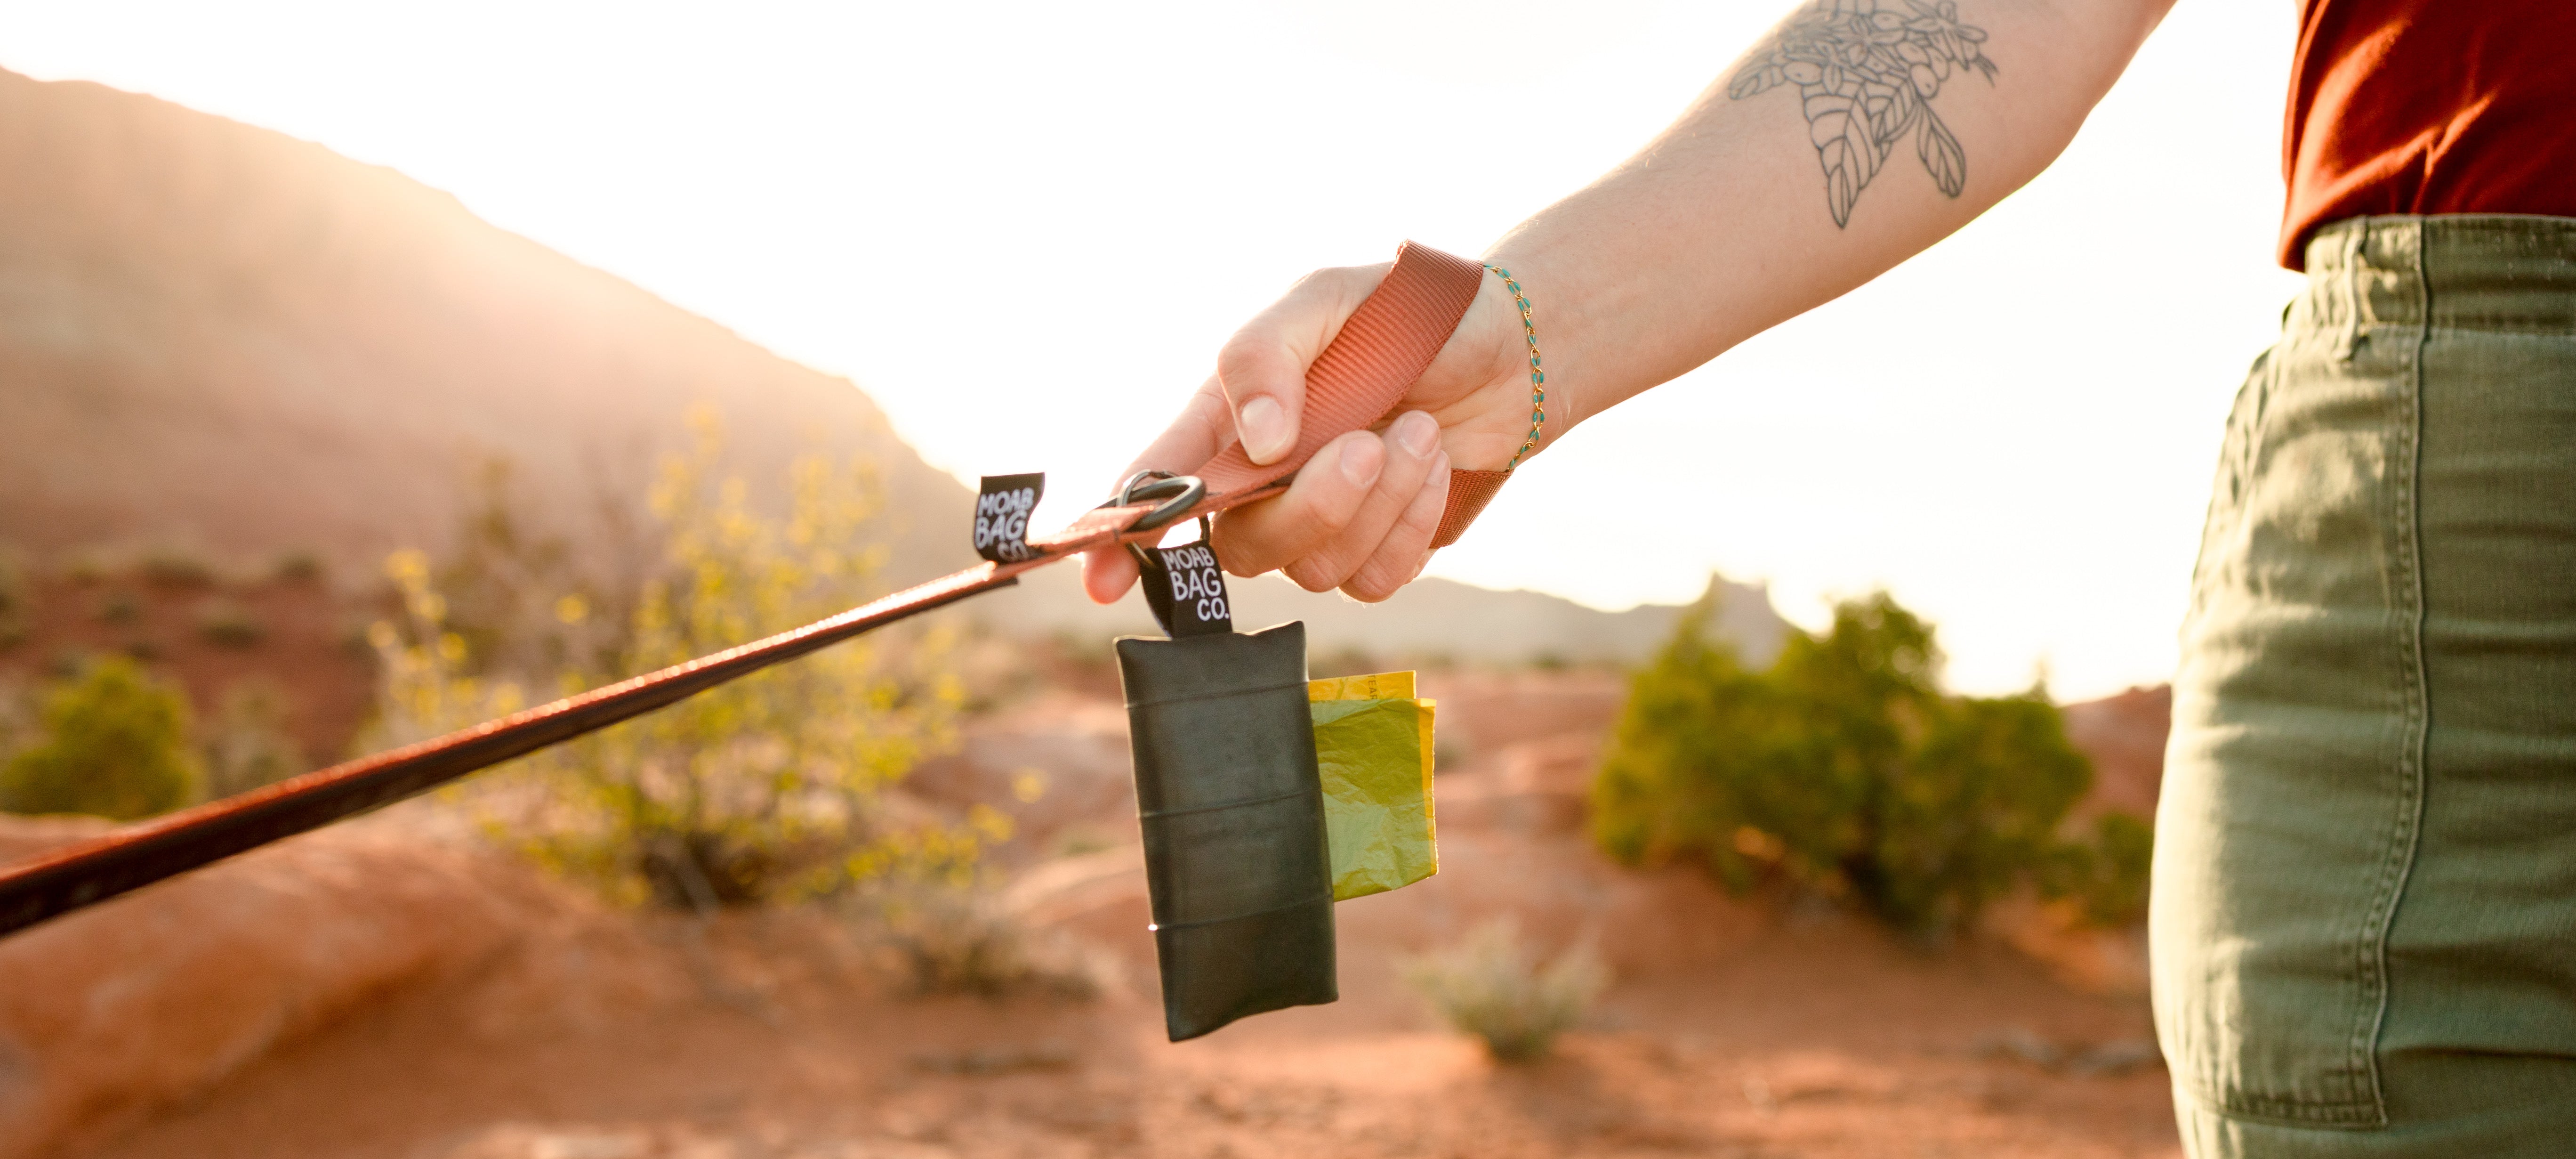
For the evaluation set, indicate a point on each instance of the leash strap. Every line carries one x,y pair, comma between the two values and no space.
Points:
1354,383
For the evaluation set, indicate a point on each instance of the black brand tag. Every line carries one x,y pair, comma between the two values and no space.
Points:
1186,590
1002,516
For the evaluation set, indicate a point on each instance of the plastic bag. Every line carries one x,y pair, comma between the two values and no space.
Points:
1373,750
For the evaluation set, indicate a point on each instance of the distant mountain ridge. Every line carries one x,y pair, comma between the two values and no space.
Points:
220,337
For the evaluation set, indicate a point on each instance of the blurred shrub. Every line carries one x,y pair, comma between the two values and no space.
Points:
113,742
247,745
1491,986
953,939
18,719
300,567
1843,769
1344,661
425,685
170,567
14,602
515,596
119,607
229,625
767,788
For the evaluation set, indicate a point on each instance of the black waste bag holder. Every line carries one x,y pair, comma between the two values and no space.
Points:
1236,857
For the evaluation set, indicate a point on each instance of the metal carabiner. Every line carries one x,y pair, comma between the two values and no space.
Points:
1178,492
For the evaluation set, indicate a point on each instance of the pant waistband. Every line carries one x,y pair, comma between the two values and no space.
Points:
2488,272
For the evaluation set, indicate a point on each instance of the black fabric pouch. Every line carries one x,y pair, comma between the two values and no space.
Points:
1236,858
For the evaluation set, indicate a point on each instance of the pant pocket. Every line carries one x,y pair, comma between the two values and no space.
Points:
2293,777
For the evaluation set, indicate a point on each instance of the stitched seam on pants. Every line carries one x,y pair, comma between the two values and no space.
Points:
2409,569
2357,1105
2288,1112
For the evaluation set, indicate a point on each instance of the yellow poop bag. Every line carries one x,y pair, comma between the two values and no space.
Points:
1373,747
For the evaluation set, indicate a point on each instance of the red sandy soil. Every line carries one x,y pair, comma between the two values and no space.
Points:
518,1020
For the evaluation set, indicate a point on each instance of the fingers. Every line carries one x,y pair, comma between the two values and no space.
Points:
1327,493
1407,546
1412,449
1106,574
1360,517
1262,368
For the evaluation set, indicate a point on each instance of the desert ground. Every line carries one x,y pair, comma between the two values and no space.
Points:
392,989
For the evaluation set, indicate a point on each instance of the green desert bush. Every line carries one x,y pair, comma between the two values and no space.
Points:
1843,769
112,742
1490,985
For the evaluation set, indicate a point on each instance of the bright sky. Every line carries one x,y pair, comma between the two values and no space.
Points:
1025,229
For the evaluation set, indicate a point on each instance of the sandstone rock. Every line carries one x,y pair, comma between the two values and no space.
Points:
152,997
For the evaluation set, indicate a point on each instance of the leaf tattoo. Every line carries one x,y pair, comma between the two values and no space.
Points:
1866,71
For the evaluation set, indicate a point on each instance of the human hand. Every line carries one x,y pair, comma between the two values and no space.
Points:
1360,514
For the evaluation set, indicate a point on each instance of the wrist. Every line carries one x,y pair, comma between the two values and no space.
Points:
1486,374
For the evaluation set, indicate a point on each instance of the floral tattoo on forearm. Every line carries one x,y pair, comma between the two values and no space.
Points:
1867,70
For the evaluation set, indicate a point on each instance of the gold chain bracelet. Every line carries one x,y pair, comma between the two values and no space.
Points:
1538,376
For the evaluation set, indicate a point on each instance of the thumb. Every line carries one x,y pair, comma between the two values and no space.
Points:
1263,373
1262,369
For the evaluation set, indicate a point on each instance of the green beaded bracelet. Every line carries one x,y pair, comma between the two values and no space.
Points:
1538,376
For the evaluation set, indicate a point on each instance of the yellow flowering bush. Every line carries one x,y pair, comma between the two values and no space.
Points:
768,788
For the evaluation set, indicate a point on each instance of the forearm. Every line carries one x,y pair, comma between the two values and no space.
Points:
1790,182
1837,148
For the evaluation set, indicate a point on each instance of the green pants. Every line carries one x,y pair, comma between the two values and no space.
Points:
2364,919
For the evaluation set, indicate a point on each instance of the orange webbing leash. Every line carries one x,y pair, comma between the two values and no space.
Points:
1354,384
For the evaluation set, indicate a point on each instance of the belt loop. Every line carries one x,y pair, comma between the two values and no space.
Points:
2356,294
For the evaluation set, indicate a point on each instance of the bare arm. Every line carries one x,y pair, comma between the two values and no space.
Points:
1857,134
